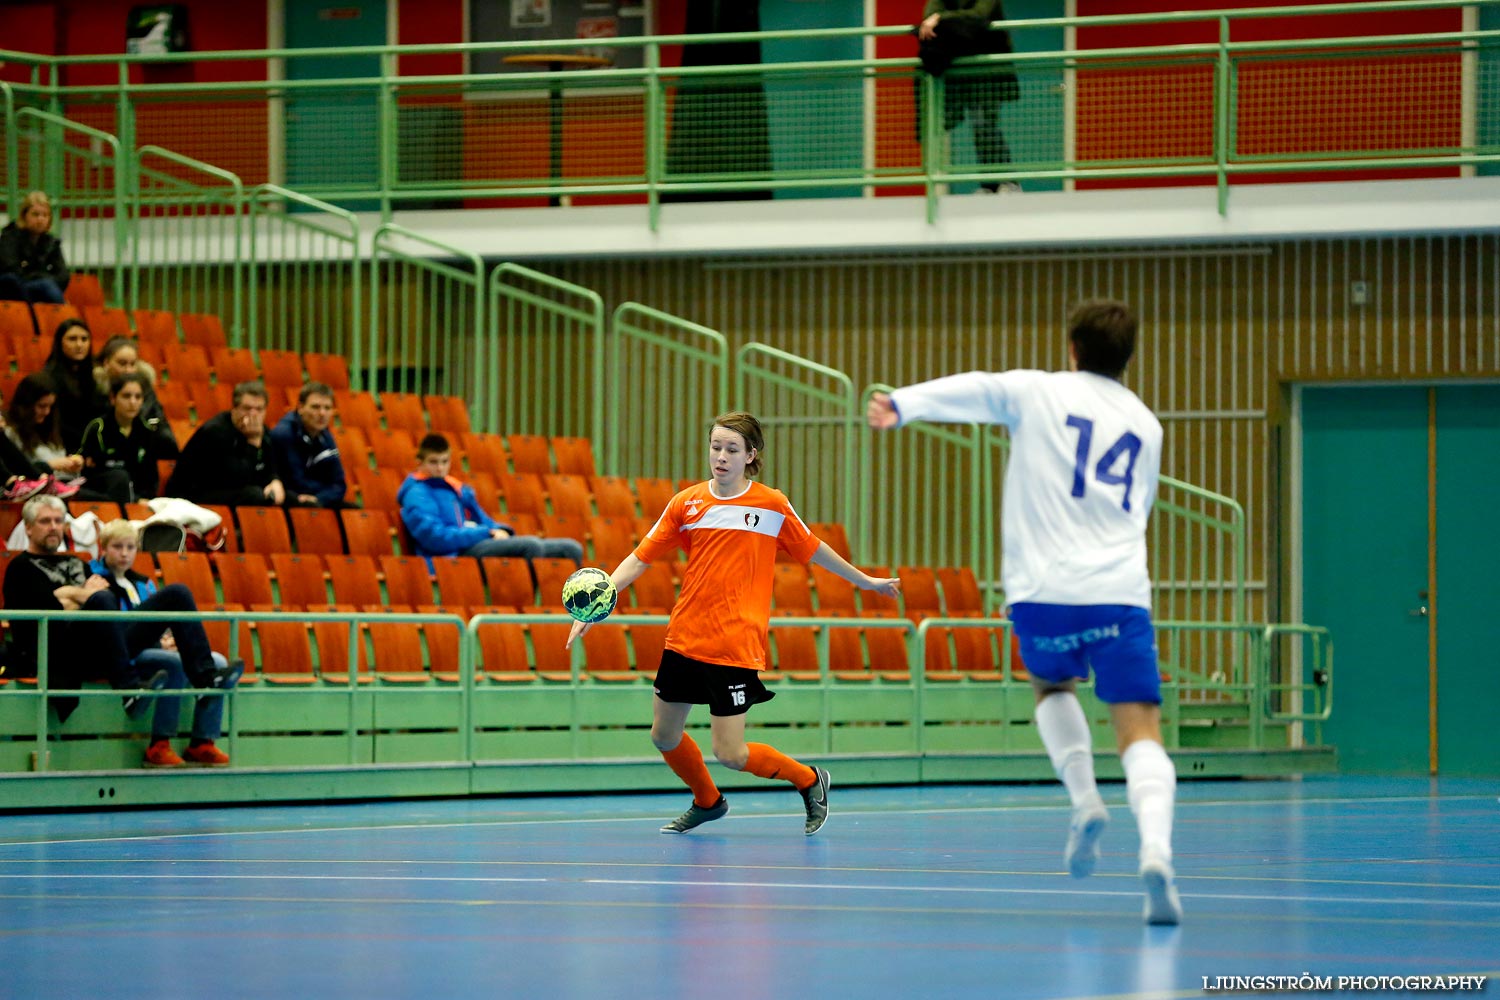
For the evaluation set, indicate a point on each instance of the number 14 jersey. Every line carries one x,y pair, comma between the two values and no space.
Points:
1084,460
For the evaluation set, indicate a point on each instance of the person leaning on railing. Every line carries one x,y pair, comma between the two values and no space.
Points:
31,258
951,29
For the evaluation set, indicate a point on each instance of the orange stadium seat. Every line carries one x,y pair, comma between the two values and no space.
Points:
316,530
550,574
358,409
791,587
330,369
834,534
553,662
448,415
84,291
49,317
606,655
486,453
15,321
205,330
872,601
613,496
403,411
648,642
233,365
458,580
530,453
407,580
191,569
960,590
919,590
654,496
509,580
245,577
614,539
523,493
502,649
187,363
284,648
299,579
155,326
834,592
104,322
354,579
264,529
280,368
569,495
575,456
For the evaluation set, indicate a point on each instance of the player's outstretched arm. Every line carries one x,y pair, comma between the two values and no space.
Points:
629,571
881,412
833,562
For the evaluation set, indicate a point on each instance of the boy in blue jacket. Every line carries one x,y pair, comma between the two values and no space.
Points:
445,519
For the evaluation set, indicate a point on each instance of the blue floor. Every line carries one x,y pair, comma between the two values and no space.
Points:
907,893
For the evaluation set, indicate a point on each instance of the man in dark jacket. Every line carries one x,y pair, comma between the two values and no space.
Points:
951,29
228,460
45,578
306,453
31,258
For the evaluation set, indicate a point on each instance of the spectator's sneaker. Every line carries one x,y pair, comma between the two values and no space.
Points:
135,705
1082,852
1162,904
63,490
161,754
25,489
207,755
815,797
229,676
697,816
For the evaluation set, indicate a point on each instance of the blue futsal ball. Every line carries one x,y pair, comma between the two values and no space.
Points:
589,594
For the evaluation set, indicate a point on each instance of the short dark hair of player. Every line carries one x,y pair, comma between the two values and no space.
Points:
433,444
1102,332
747,427
313,389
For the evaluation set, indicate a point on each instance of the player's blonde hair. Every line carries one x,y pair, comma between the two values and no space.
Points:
747,427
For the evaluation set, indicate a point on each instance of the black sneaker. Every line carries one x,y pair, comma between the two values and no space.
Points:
135,705
696,815
229,676
815,796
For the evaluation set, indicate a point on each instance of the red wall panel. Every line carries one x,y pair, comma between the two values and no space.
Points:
1286,107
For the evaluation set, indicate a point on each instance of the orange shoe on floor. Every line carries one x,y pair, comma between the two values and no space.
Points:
161,754
207,755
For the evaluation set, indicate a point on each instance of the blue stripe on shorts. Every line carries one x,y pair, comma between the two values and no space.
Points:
1060,642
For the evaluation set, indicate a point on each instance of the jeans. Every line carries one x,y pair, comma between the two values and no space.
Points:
529,547
208,713
13,287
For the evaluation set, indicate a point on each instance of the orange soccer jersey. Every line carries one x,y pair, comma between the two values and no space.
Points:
723,612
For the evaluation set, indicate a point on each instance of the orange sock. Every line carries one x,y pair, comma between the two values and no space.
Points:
686,761
768,762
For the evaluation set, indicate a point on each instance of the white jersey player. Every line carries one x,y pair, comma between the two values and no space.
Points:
1084,461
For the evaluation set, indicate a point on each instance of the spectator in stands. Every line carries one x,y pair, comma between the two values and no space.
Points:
950,29
445,519
31,258
43,578
120,440
229,459
306,453
118,357
21,477
71,366
117,546
32,425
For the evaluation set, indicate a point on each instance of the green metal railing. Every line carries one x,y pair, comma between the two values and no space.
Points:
812,414
1217,111
427,331
548,371
305,277
919,712
672,376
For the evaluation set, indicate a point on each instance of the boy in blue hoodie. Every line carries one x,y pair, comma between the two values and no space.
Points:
445,519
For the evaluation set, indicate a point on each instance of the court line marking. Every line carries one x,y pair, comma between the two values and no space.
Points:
650,817
682,865
717,884
1198,918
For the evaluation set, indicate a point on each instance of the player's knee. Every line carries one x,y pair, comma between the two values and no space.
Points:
732,757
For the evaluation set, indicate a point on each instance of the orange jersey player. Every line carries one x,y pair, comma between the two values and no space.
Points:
731,528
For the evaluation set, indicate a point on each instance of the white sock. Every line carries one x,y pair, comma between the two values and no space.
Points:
1065,734
1151,786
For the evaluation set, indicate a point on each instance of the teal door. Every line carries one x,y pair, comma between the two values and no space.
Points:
1415,650
331,136
1468,598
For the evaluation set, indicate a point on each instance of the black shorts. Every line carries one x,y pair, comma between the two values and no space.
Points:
725,690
